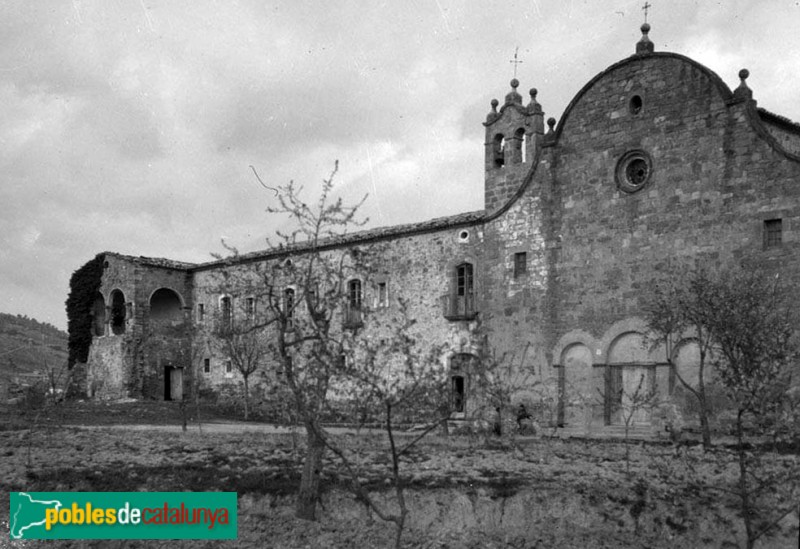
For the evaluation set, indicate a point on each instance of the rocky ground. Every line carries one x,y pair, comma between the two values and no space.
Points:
462,491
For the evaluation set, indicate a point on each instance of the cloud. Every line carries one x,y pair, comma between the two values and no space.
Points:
131,126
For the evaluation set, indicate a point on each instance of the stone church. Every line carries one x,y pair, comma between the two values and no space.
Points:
655,159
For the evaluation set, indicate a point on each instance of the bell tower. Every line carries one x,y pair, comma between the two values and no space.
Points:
513,139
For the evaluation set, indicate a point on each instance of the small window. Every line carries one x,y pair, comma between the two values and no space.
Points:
288,307
520,264
458,393
463,236
228,367
250,306
635,105
201,312
383,294
206,365
773,233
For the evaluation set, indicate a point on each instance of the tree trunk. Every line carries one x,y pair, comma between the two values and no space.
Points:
308,495
246,398
744,492
704,428
701,397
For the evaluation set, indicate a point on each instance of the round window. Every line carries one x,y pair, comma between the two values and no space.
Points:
633,171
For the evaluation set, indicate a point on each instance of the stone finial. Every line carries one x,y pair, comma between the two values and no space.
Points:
644,46
551,125
513,96
493,113
534,107
743,91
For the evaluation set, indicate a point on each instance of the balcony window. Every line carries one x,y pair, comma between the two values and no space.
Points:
459,304
352,310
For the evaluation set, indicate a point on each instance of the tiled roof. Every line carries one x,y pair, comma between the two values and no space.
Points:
778,119
368,235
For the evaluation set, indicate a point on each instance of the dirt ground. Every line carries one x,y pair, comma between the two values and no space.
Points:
463,491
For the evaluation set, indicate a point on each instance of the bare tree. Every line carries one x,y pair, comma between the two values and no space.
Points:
745,324
643,398
391,374
754,328
505,379
678,309
243,342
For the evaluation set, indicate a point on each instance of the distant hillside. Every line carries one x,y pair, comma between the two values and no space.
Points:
27,344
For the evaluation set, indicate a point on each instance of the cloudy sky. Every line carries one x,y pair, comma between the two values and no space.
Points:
130,125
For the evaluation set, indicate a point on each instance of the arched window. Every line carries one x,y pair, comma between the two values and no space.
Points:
99,315
499,149
117,312
519,145
165,304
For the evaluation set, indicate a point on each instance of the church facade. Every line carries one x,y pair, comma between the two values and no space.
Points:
654,161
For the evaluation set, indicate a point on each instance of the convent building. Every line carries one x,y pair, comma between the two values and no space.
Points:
655,160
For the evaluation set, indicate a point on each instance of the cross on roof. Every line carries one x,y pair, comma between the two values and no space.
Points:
646,7
516,61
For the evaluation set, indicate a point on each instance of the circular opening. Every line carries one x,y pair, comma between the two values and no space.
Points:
635,104
636,172
633,171
463,235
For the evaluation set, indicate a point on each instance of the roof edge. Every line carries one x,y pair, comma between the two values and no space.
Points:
360,237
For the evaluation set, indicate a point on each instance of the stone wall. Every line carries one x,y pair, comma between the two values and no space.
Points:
417,269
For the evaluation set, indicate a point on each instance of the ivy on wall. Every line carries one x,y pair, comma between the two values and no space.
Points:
83,288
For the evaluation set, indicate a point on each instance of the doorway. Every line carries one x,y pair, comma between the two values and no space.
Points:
173,383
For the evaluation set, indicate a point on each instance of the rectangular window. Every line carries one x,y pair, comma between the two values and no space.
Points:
464,279
250,306
773,233
226,311
228,367
354,293
207,365
201,312
288,307
520,264
383,294
457,394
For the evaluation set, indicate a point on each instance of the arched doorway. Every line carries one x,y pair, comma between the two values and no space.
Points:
630,381
461,365
577,392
